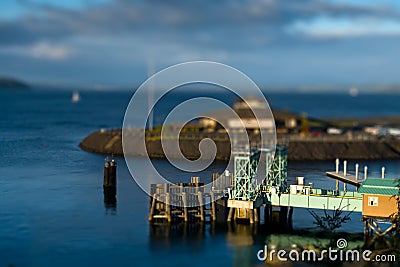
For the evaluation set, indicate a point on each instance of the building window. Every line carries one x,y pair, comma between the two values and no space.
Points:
373,201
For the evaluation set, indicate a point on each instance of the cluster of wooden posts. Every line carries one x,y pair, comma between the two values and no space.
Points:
110,184
192,202
371,227
251,211
184,202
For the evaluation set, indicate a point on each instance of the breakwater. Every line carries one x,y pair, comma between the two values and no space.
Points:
327,148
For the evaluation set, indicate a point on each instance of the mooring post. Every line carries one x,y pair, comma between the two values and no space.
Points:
290,217
256,215
110,184
106,173
345,168
337,165
230,214
365,229
152,207
185,210
251,215
284,215
383,172
168,206
213,211
266,214
110,174
113,169
365,172
201,205
357,171
271,213
370,229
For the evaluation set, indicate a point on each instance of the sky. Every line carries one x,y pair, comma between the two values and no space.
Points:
275,42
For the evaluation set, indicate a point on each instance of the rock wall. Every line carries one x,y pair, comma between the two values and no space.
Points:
110,142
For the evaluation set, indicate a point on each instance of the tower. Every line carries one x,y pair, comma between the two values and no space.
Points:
276,169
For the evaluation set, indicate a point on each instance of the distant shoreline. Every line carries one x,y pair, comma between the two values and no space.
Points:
12,84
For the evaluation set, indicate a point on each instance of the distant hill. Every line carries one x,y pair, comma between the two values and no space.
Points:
10,83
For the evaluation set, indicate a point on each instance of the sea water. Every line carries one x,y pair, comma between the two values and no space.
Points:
52,210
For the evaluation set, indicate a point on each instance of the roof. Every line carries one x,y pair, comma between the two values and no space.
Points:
376,186
245,112
224,114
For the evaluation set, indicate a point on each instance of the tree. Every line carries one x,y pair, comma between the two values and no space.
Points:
331,222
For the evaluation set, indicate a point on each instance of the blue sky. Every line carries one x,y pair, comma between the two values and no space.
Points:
112,42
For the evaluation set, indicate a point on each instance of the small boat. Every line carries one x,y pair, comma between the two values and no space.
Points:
353,91
75,97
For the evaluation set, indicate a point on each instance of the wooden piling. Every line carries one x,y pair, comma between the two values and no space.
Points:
221,210
230,215
110,185
267,214
251,215
185,209
290,216
213,211
256,215
201,205
152,207
110,174
168,206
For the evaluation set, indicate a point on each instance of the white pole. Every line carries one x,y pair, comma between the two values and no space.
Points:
357,171
345,167
365,172
383,172
337,165
150,94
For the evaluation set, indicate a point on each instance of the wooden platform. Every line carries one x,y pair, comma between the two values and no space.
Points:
348,179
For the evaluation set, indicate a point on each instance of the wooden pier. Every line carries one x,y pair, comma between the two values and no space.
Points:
238,199
347,179
184,202
244,210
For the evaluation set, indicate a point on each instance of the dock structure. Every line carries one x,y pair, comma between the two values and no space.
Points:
244,198
240,197
183,202
380,205
347,179
110,185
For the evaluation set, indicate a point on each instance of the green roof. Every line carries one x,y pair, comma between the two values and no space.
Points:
389,187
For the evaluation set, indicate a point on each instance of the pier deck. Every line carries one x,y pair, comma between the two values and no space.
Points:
348,178
349,201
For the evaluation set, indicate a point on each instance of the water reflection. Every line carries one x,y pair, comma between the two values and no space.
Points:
110,200
246,240
242,239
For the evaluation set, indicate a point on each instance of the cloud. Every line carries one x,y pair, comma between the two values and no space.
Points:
41,50
189,21
47,51
112,37
326,28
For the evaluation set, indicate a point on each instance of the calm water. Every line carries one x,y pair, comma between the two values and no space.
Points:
52,210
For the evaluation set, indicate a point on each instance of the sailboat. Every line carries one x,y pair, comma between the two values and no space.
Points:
75,97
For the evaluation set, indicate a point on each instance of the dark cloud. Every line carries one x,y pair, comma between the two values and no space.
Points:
111,40
193,19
